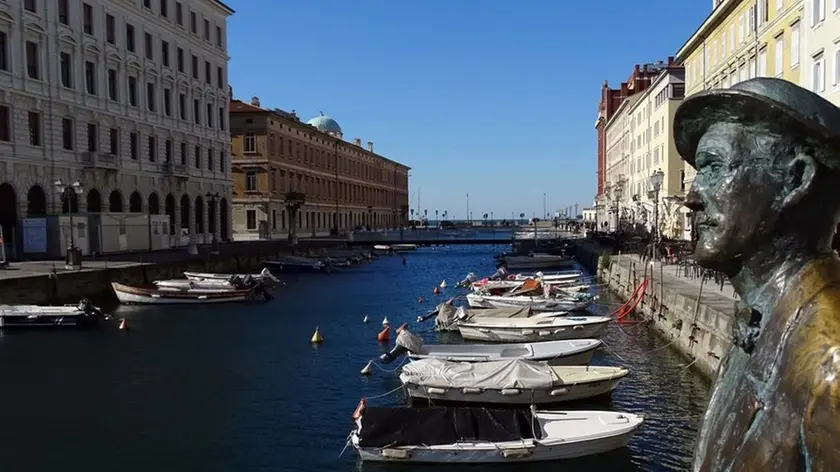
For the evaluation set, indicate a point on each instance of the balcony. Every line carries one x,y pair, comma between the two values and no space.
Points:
100,160
180,171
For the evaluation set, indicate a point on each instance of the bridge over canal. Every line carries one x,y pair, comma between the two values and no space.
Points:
506,235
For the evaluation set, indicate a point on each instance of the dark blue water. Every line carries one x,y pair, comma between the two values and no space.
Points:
240,387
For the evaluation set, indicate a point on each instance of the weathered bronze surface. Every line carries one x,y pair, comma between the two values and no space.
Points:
767,197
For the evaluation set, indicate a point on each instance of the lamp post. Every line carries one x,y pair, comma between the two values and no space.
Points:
618,192
543,203
656,185
469,213
370,218
67,193
294,200
437,219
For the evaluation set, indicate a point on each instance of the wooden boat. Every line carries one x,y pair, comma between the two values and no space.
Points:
187,284
265,276
128,294
567,352
510,382
82,314
518,330
549,276
294,264
483,436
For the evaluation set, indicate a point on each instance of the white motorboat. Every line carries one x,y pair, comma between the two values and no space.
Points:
539,303
265,276
29,316
382,249
128,294
523,330
483,436
566,352
187,284
448,317
510,382
549,276
537,261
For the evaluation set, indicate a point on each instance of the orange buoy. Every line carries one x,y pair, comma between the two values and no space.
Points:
123,325
360,410
384,335
436,291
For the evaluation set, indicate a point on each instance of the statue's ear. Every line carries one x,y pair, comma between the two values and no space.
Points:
800,176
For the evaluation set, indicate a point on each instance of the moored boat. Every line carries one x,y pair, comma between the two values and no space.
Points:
565,303
537,261
518,330
509,382
265,276
295,264
82,314
482,436
128,294
448,317
404,247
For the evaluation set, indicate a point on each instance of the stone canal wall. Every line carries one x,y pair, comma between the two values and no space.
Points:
49,282
698,323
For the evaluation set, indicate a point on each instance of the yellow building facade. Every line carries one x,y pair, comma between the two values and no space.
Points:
740,40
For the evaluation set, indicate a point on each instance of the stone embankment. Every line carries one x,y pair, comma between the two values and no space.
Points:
693,315
46,282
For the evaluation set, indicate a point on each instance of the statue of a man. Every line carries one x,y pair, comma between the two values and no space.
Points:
766,199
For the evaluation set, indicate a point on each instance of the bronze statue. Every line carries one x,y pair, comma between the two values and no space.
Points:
767,197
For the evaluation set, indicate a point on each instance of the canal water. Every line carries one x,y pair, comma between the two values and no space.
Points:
240,387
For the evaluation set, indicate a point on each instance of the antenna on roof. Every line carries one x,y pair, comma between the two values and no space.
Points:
322,113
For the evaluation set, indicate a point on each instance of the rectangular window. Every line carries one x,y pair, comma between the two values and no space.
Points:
250,143
152,149
794,45
206,30
818,74
147,4
132,91
33,61
114,141
167,102
197,156
209,159
164,8
183,154
742,26
780,5
179,14
251,181
207,73
4,51
164,53
779,56
110,29
251,217
90,77
209,115
222,162
134,146
67,134
5,124
149,45
63,12
151,99
65,64
182,106
219,40
113,89
196,112
193,23
220,77
817,12
180,59
167,150
837,64
732,39
195,67
222,118
92,137
129,38
34,122
87,19
762,63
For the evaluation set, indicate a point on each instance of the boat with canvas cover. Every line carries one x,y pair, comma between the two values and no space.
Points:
549,276
265,276
523,330
132,295
82,314
404,247
296,264
448,317
510,382
537,261
538,303
568,352
483,436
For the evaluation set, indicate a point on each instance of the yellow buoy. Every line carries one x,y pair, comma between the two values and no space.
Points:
366,370
316,336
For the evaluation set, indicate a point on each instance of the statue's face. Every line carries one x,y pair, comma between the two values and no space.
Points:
732,195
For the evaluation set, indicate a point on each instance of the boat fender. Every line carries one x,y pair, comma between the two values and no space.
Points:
510,391
396,453
360,409
483,330
471,390
436,390
558,391
527,332
578,327
544,333
366,370
560,330
515,453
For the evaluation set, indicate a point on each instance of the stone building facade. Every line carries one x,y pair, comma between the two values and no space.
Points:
343,185
129,99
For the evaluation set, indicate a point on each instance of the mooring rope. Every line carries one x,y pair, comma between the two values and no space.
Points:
405,359
385,394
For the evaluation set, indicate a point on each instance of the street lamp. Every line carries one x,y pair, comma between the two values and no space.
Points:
656,185
67,193
294,200
617,193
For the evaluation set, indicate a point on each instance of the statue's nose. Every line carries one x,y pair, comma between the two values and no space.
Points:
693,201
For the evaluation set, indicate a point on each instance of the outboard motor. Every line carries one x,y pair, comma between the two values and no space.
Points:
258,289
388,357
91,310
468,280
500,274
406,342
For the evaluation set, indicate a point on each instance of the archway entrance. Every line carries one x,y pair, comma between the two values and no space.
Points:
169,209
199,215
36,202
154,204
224,220
94,201
70,204
8,216
185,215
135,203
115,202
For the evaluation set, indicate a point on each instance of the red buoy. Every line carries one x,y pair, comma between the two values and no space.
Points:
436,291
384,335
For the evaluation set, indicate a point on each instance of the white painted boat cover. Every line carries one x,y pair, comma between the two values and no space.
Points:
493,375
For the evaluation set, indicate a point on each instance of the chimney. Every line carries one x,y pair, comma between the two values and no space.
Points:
357,141
230,92
670,60
370,146
255,101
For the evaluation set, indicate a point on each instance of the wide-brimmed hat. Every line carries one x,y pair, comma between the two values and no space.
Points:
783,104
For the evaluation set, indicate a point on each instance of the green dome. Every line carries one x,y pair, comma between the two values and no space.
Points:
326,124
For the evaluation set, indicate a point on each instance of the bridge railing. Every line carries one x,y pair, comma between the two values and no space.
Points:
483,234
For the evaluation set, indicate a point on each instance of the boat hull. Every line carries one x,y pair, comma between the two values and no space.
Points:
497,352
557,394
141,296
509,334
295,267
535,303
492,453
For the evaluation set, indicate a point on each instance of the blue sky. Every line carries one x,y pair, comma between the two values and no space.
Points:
492,98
